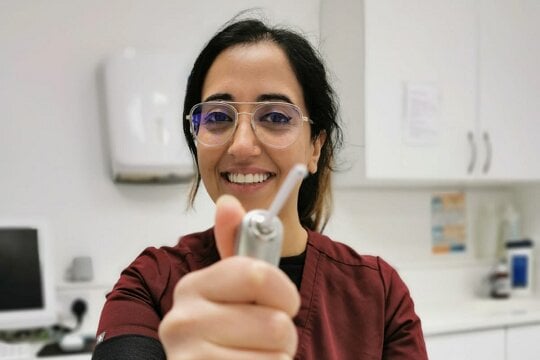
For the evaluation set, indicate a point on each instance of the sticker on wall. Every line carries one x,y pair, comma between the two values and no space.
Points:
448,223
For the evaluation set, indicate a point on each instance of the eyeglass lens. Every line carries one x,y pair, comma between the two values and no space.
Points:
275,124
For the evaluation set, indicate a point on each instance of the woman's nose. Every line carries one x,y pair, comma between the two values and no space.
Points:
244,142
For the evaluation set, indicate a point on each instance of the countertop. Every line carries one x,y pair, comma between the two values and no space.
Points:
477,314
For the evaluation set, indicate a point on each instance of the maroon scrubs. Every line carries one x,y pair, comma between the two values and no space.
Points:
353,306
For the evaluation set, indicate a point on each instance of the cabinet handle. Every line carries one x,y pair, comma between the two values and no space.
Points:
472,145
487,141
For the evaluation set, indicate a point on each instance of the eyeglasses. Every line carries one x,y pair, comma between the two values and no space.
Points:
276,124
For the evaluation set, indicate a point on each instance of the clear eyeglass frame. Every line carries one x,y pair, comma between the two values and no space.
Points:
258,105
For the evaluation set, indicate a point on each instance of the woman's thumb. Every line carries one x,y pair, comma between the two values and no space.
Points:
229,214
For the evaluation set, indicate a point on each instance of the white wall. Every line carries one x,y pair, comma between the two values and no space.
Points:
529,201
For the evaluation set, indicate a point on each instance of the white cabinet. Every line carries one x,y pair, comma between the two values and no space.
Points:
345,57
510,343
509,87
452,89
477,345
420,87
523,342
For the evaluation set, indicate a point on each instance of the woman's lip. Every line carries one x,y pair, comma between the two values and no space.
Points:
246,170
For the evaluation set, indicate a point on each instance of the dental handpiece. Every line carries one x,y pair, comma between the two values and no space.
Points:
261,232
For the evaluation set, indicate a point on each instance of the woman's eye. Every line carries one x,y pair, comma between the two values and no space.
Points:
217,116
275,118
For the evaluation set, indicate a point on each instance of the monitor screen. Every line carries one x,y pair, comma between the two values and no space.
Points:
26,284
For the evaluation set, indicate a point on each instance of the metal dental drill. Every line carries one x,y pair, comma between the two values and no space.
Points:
261,232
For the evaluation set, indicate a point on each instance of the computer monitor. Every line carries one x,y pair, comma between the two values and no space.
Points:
27,298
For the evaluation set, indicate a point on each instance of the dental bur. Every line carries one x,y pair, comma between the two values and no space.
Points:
261,232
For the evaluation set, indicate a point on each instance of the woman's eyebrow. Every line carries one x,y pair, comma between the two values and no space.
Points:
219,97
262,97
274,97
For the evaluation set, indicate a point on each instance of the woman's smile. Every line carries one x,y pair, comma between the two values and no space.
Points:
241,181
246,179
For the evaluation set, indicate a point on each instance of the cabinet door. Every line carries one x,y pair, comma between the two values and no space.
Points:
522,342
509,79
420,88
477,345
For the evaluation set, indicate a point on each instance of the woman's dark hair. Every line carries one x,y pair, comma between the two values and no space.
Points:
315,197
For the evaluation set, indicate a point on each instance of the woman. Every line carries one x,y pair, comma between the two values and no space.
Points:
257,103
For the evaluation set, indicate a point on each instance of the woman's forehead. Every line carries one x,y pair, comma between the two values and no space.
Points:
248,71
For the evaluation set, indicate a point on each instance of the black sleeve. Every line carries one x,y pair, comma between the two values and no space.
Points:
129,347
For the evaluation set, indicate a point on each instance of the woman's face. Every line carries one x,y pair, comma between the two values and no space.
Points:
249,73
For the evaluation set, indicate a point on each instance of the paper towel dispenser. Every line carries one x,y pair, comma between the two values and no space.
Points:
144,93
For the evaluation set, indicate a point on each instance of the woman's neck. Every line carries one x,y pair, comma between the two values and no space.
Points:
294,238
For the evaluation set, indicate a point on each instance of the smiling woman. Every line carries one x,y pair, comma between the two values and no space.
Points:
257,103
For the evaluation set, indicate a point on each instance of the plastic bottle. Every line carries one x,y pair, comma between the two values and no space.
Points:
511,224
520,261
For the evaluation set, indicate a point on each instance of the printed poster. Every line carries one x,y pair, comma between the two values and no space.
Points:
448,223
421,122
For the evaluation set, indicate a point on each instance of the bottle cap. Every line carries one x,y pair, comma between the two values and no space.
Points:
523,243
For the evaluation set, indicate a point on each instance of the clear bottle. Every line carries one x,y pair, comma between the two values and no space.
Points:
511,224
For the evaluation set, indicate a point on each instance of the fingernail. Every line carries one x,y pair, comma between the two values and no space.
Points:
258,272
226,199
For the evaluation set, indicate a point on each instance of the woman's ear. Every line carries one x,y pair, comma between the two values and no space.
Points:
317,145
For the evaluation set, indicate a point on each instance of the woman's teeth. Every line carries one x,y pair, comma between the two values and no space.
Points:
247,178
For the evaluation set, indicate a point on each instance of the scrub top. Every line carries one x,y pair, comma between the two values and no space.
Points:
352,306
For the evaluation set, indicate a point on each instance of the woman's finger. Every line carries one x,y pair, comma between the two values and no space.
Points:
229,214
240,279
239,326
251,327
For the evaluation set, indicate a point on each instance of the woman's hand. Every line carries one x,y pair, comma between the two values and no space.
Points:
238,308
